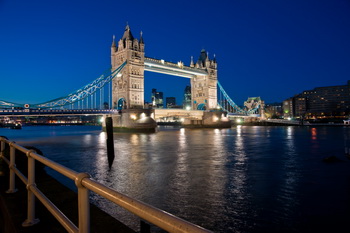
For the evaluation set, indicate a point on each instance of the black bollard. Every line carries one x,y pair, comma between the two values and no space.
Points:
110,141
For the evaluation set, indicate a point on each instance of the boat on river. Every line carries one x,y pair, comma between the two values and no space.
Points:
16,126
11,125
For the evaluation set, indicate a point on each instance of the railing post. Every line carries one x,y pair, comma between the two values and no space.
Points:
2,149
31,220
12,166
83,204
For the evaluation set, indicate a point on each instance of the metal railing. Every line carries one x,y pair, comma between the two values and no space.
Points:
84,184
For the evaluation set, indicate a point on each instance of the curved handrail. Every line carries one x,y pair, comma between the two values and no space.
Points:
85,184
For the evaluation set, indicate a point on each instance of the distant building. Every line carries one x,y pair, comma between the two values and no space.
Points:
274,110
321,102
300,105
187,98
170,102
288,108
157,99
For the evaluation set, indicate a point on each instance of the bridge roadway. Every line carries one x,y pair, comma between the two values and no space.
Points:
56,112
158,113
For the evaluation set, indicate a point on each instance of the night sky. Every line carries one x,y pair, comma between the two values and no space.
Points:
273,49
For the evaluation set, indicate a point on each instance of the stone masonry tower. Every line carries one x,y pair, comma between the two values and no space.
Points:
204,88
128,86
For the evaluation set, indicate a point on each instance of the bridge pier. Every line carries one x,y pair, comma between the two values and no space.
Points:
211,119
133,120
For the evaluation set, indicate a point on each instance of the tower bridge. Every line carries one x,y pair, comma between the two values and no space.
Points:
128,87
122,88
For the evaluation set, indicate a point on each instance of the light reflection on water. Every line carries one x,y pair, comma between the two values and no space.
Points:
243,179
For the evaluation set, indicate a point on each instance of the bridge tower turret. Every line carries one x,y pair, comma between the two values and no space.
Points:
204,88
128,86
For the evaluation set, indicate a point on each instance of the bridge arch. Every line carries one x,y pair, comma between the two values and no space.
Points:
201,107
121,104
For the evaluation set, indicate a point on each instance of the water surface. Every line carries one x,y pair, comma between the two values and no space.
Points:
243,179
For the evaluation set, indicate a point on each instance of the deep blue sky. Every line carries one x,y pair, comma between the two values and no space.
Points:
272,49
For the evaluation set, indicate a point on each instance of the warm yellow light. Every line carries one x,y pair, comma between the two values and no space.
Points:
239,120
188,108
215,118
133,116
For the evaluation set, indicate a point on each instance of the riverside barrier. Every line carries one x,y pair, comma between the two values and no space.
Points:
84,184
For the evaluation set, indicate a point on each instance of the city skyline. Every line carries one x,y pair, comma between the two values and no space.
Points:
273,49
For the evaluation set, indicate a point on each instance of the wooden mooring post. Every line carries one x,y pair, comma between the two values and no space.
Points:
110,141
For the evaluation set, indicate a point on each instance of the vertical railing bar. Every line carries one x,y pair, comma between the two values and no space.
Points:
31,220
83,204
12,185
2,149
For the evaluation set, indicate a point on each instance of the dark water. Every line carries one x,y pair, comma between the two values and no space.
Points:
243,179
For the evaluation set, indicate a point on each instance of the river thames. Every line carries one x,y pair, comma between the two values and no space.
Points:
242,179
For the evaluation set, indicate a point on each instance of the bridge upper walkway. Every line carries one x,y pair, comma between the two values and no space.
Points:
165,67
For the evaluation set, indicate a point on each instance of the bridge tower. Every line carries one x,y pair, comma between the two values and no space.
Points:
128,86
204,87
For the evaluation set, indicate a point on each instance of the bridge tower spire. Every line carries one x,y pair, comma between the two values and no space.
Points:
204,88
128,86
